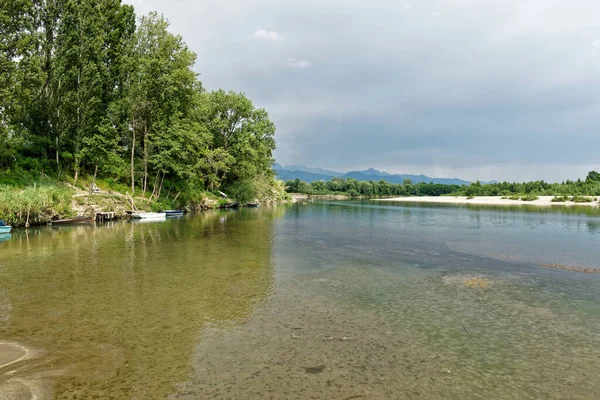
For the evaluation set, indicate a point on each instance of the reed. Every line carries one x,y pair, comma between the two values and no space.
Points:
34,205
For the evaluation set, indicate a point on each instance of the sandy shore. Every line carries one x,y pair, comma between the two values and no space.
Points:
487,200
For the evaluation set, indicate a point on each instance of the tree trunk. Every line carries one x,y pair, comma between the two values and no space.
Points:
57,157
155,186
145,159
161,185
94,180
175,199
132,159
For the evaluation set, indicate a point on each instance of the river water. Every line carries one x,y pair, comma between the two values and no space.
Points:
321,300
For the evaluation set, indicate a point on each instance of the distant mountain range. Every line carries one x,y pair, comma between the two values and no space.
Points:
307,174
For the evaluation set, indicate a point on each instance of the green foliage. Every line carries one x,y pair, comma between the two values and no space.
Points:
582,199
355,188
41,203
223,203
560,199
263,188
529,197
83,90
242,191
589,187
527,191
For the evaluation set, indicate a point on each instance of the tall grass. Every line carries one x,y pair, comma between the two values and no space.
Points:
36,205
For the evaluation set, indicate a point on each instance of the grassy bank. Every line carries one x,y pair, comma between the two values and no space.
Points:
36,204
37,199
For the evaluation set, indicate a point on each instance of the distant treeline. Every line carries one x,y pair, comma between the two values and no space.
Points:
588,187
355,188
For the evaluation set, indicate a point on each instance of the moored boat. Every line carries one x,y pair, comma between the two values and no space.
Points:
73,221
253,205
148,215
173,213
4,228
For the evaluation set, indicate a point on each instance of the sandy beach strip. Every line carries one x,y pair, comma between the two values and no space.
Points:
486,200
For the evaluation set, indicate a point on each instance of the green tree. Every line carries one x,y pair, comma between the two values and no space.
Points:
244,132
162,87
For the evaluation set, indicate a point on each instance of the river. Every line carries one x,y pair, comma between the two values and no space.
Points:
324,300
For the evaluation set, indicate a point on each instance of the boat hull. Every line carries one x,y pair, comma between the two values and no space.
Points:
5,229
74,221
148,216
174,213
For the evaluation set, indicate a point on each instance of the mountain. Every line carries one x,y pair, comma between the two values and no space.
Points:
320,171
398,178
307,174
373,171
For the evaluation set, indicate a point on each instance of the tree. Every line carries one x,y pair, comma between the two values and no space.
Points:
244,132
161,87
593,177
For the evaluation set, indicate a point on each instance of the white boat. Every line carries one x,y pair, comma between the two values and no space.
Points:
148,215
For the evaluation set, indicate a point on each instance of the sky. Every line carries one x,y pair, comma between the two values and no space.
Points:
475,89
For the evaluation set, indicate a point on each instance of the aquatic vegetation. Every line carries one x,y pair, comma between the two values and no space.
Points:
574,268
471,281
477,283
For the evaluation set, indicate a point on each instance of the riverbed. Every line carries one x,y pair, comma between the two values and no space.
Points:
325,299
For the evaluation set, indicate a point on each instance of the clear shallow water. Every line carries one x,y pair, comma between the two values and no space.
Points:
322,300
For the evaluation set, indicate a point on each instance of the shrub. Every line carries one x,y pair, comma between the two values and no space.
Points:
582,199
560,199
529,197
514,198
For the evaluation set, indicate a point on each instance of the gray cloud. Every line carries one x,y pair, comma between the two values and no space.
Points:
495,89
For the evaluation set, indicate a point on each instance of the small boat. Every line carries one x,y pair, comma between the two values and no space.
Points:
253,205
148,215
233,205
4,228
73,221
173,213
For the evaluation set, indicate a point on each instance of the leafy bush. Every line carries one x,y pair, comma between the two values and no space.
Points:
223,203
514,198
582,199
560,199
529,197
262,188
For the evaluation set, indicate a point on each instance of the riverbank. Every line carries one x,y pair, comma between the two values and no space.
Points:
51,201
300,197
487,200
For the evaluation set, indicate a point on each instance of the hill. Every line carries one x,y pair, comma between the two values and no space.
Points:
308,174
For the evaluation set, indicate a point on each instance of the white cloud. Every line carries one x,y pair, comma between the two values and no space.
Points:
298,63
262,34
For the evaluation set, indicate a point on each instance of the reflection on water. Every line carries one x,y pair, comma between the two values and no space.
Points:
117,310
326,300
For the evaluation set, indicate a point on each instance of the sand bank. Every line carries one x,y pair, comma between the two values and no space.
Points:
486,200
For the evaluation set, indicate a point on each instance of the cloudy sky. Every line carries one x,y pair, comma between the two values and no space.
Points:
477,89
